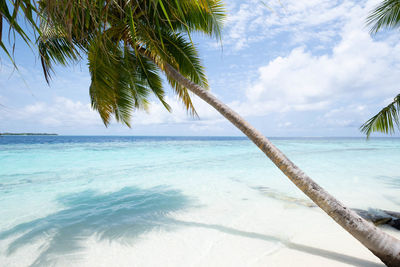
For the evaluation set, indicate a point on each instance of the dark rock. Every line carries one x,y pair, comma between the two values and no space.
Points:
395,224
382,221
381,217
393,213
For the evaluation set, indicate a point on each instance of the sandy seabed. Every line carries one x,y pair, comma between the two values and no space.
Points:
266,233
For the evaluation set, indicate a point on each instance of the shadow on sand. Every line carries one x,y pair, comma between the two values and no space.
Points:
118,216
123,216
354,261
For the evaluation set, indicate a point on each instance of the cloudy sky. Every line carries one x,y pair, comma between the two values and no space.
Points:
290,67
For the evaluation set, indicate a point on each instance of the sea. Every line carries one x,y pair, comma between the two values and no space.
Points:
177,201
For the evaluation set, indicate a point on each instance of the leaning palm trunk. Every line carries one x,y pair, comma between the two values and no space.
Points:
384,246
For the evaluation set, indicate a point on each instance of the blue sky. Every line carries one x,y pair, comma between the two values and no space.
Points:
291,68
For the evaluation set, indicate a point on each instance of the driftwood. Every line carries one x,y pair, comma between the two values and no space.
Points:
376,216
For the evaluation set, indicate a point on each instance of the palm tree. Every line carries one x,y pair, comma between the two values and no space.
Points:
128,44
385,16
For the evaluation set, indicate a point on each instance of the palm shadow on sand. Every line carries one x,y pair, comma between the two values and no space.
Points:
119,216
347,259
122,216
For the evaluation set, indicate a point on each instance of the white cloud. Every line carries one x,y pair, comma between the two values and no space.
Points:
285,124
65,112
357,70
347,116
157,114
239,23
61,112
253,21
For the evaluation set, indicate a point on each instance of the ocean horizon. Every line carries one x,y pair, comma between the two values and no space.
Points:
207,201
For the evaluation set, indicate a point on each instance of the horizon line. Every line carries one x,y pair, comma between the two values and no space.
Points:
229,136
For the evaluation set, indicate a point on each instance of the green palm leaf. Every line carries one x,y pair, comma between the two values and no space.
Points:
186,60
10,14
54,46
385,15
121,82
385,121
206,18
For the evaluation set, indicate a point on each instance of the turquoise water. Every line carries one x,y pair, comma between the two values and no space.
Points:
56,191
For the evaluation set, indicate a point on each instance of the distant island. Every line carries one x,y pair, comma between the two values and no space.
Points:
28,134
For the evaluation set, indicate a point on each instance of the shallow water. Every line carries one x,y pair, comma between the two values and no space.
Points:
60,193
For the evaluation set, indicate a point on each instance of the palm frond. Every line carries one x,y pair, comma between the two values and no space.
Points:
77,19
203,16
55,47
385,15
109,91
121,81
10,14
148,72
385,121
171,47
184,57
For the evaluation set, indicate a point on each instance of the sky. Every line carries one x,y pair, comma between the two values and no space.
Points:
290,67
